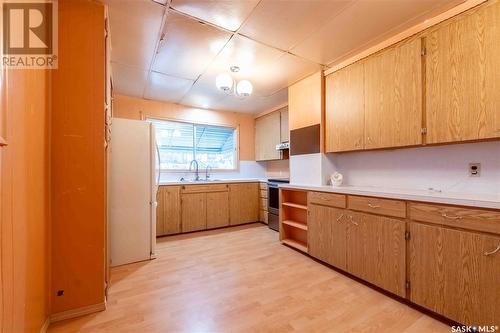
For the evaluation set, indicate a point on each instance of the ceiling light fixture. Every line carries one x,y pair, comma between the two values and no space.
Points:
225,82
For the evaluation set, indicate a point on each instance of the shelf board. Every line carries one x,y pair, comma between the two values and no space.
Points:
295,244
294,205
295,224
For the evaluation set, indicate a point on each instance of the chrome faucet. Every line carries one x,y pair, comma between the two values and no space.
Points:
196,169
207,174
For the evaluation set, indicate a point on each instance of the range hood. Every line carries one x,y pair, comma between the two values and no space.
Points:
283,146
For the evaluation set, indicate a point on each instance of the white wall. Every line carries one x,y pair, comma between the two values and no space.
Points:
247,169
440,167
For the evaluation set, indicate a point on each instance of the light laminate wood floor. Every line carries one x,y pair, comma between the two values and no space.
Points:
242,279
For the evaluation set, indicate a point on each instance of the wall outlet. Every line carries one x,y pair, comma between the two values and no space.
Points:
474,169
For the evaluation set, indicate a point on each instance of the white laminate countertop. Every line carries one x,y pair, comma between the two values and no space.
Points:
462,199
217,181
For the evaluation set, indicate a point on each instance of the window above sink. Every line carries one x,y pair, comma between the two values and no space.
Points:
181,142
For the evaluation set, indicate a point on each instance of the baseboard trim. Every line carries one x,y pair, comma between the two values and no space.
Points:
45,325
78,312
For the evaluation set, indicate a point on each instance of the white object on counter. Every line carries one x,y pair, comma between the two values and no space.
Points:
336,179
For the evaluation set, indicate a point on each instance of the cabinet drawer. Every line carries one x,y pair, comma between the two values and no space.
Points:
327,199
387,207
204,188
263,194
263,186
263,216
473,219
263,204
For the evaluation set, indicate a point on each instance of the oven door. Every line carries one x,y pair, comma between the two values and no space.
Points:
273,199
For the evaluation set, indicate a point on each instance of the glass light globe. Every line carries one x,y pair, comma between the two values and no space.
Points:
244,88
224,82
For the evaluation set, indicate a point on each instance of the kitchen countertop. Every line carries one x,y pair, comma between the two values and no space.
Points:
218,181
462,199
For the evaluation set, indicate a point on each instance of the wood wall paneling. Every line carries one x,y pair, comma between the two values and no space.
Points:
24,200
463,77
78,158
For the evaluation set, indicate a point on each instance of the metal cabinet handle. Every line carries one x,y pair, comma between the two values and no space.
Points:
492,252
352,221
340,217
451,217
373,206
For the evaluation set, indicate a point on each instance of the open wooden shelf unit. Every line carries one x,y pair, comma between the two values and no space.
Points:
293,218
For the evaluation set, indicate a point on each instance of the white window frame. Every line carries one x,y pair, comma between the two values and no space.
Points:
236,144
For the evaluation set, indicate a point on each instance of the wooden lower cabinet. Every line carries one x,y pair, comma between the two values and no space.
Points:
376,251
327,235
217,209
243,203
450,273
193,211
168,212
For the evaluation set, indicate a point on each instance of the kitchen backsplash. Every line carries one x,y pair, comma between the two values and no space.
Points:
247,169
444,168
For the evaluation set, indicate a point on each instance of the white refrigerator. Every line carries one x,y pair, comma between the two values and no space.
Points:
133,183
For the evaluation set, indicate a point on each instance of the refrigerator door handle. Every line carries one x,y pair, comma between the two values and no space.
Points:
159,164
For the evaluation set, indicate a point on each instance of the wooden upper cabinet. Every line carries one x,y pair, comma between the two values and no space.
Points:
285,131
463,77
305,101
393,96
267,136
344,118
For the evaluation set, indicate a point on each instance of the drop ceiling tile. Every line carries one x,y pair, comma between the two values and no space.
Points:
253,104
245,53
364,23
128,80
166,88
228,14
284,24
281,73
188,47
135,28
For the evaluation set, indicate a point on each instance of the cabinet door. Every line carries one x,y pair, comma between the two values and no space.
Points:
217,209
327,235
463,77
243,203
393,97
376,251
194,211
267,136
168,212
285,131
451,274
345,114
